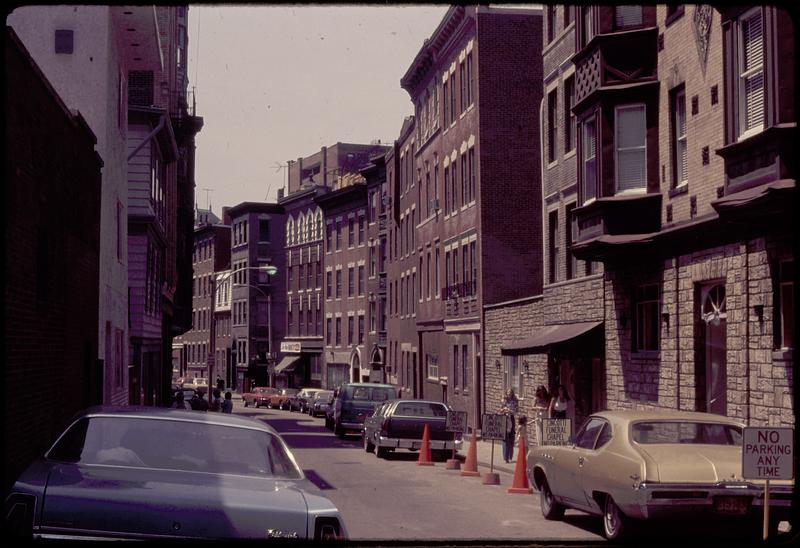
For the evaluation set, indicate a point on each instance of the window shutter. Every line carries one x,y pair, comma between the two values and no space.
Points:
753,71
631,150
628,16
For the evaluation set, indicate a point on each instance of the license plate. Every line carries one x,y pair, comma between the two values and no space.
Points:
731,505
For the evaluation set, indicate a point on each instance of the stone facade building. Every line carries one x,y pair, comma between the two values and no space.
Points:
467,185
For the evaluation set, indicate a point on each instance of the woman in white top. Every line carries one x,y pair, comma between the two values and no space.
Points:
559,403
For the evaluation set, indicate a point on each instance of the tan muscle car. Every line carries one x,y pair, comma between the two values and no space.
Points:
639,465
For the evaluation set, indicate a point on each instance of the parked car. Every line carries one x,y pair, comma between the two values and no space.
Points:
280,399
197,383
399,424
258,396
641,465
303,399
322,401
355,402
108,476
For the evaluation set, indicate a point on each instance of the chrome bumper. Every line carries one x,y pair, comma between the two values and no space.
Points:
406,443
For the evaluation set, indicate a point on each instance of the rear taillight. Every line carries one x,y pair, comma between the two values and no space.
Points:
385,427
327,528
19,515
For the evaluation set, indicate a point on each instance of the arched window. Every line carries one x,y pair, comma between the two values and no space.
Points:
301,223
289,231
319,225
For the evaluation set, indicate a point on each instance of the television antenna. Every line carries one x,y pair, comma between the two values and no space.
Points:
208,202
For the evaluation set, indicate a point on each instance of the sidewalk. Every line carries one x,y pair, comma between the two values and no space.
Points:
485,456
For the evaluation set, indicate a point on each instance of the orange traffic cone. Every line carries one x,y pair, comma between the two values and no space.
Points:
471,463
520,484
425,450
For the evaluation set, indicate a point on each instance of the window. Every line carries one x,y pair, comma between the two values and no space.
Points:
446,189
589,170
454,186
569,102
329,284
786,304
551,22
263,230
351,282
428,275
428,205
627,16
587,28
338,331
339,284
630,147
432,366
464,181
361,280
64,41
552,126
444,104
750,71
679,150
455,366
571,234
464,366
351,232
328,330
372,263
553,246
588,434
338,235
436,273
350,329
452,97
646,325
470,80
462,76
329,237
474,262
362,221
513,378
472,186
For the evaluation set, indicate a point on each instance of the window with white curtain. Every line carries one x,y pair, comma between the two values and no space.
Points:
513,378
680,158
630,148
751,72
627,16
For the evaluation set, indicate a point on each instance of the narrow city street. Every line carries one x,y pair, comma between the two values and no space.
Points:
383,499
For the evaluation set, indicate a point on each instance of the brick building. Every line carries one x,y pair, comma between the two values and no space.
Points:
375,343
464,192
51,214
211,261
258,302
310,178
345,248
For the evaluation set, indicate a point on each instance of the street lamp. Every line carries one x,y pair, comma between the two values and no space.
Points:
212,347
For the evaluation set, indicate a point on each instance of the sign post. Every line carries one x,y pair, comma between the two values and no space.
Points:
456,422
494,428
767,453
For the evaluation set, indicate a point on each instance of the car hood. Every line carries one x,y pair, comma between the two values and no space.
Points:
693,463
174,503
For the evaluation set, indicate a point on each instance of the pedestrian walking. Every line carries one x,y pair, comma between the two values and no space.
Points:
559,403
216,402
510,407
227,403
541,405
180,402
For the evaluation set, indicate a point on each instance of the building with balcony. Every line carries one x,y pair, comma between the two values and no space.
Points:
310,178
258,302
464,230
685,123
51,214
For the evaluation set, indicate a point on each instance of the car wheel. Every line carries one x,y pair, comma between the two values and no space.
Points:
368,445
551,509
258,405
614,522
338,430
381,452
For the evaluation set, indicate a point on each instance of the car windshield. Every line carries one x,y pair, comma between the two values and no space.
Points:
323,395
290,391
420,409
687,432
370,393
193,446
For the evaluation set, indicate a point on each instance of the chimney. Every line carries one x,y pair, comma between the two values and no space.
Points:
325,166
226,217
280,194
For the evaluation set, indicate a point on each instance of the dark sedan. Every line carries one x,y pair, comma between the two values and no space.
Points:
110,476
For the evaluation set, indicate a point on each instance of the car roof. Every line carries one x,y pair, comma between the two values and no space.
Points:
372,384
412,400
631,415
145,412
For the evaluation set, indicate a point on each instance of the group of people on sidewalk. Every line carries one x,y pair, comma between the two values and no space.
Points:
217,404
545,405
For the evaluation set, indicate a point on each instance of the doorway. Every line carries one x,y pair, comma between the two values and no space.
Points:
713,381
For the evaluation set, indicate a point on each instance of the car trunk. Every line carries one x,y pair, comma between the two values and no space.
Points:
357,411
168,502
694,463
413,427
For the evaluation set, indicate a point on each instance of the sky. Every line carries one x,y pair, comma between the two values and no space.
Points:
275,83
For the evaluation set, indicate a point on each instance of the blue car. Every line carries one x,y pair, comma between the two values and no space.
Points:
152,473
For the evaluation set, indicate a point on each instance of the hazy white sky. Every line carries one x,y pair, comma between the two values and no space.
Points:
275,83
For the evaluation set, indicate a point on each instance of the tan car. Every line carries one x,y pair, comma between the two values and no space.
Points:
641,465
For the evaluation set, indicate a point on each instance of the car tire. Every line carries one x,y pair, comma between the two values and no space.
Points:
551,509
338,430
258,405
381,452
369,447
615,524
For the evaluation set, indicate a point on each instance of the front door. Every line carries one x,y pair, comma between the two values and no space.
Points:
716,377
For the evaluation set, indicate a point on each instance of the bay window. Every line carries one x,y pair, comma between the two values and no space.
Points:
750,72
630,146
589,161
